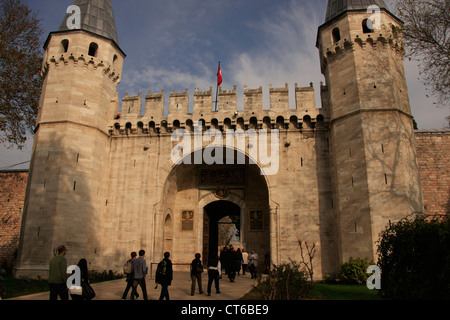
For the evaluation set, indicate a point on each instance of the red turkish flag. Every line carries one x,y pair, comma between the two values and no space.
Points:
219,76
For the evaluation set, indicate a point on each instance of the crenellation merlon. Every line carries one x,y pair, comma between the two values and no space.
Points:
131,106
179,103
226,114
203,102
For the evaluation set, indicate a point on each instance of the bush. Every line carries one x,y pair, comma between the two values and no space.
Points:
285,282
95,276
354,271
414,258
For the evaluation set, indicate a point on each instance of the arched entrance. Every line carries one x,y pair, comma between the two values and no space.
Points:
221,226
206,203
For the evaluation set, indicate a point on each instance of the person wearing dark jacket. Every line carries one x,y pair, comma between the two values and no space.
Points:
164,276
238,260
196,273
231,263
82,264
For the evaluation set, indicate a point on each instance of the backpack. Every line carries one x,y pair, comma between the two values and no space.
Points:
196,266
127,267
162,268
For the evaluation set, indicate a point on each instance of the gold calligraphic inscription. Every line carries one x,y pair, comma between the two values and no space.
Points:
187,220
234,176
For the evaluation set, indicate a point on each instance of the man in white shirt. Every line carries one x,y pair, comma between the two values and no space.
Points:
244,261
214,272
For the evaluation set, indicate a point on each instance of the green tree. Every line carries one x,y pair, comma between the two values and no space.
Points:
414,258
20,69
426,32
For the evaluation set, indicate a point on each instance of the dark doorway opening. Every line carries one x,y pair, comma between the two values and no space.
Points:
222,226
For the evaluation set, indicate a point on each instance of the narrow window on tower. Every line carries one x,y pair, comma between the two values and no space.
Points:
367,27
336,35
65,45
93,49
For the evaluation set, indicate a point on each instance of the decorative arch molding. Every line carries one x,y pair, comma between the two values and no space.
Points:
251,162
210,197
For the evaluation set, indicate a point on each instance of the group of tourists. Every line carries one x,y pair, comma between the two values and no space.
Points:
58,278
230,261
234,260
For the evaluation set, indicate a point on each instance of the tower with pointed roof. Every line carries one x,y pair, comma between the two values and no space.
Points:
374,165
64,201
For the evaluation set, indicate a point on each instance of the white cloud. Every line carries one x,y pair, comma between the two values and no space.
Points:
286,52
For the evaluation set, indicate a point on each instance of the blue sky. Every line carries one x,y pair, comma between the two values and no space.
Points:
176,44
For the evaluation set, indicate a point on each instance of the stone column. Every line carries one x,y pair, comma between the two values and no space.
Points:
274,235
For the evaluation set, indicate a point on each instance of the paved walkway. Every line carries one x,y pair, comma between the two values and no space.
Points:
179,290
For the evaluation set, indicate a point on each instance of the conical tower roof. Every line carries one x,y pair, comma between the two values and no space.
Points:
337,7
97,16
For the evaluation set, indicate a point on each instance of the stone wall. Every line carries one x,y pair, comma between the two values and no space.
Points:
434,160
12,195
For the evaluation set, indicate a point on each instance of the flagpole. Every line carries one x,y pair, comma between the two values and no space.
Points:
217,91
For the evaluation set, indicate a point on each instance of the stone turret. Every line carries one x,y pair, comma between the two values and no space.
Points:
66,188
375,171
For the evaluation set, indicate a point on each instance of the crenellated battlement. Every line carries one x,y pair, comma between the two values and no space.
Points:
151,114
364,42
65,60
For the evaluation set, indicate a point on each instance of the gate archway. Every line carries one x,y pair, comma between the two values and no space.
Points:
193,192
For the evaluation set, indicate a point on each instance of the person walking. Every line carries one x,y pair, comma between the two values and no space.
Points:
244,261
88,292
196,274
223,258
128,270
57,276
214,273
238,261
139,273
231,264
253,263
164,276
